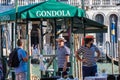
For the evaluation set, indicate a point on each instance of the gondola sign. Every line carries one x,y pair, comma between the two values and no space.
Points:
53,13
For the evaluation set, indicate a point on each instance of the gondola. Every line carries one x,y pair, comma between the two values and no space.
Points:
109,59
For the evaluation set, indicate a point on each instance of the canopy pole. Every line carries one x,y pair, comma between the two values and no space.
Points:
81,71
41,44
71,46
83,17
82,4
83,25
55,36
27,39
16,30
55,31
16,16
41,41
15,39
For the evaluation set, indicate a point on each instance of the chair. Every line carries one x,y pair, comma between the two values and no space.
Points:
110,77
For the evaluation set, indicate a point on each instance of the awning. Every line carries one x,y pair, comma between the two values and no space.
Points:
48,9
89,26
10,15
53,9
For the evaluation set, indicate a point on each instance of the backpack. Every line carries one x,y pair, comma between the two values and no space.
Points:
1,70
1,73
13,58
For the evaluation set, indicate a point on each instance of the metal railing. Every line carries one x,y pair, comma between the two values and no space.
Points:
27,2
105,2
20,2
72,2
4,2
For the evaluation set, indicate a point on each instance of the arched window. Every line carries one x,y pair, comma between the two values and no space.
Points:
99,36
113,17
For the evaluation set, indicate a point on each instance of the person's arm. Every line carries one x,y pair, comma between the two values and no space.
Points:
24,56
67,54
65,63
77,56
98,54
25,59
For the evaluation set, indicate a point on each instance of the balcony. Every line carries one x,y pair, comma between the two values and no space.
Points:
105,2
71,2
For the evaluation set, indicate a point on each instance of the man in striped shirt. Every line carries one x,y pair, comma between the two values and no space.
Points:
89,60
63,53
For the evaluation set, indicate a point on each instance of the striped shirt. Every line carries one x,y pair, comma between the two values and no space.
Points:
89,54
61,53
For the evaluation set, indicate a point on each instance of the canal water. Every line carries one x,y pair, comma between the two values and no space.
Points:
101,66
35,69
108,68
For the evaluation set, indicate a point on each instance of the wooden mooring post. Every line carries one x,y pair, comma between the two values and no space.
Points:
119,54
119,46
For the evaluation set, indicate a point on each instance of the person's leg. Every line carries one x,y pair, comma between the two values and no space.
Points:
94,70
63,74
59,71
17,77
86,71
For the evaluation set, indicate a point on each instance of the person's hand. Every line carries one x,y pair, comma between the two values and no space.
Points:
84,60
96,59
64,68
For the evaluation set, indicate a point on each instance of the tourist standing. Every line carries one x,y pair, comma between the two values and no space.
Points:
21,70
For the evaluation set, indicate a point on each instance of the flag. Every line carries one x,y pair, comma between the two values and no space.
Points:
113,31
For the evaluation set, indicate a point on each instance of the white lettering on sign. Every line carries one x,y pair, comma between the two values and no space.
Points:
2,18
52,13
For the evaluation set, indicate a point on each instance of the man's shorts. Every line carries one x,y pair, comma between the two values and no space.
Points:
21,76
